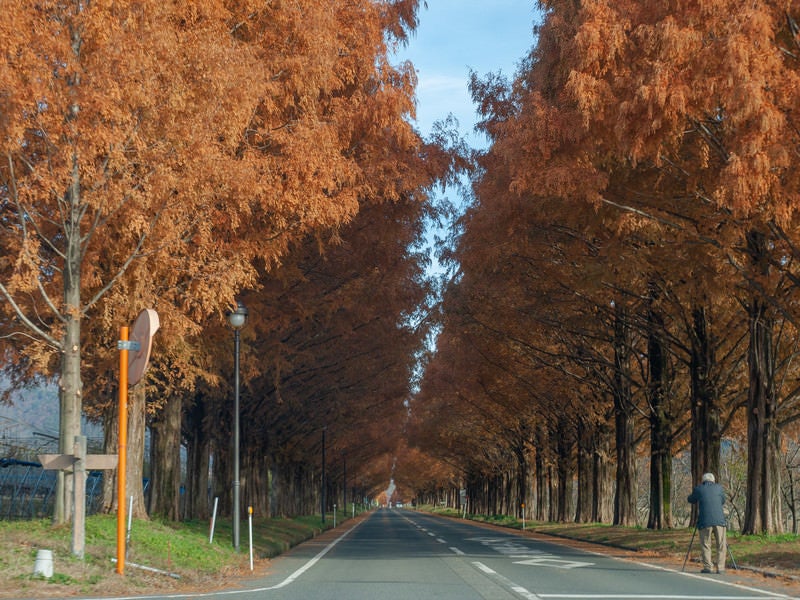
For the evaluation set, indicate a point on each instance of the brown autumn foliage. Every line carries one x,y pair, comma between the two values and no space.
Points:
641,160
169,155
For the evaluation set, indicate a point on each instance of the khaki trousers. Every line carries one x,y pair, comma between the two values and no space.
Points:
718,531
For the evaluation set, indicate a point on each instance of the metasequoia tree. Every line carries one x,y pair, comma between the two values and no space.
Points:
648,115
328,345
341,355
743,123
105,161
188,139
503,308
547,268
485,380
701,93
364,106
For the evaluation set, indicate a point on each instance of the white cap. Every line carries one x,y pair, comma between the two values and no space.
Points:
708,477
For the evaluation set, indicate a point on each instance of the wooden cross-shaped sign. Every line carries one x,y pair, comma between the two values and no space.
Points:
65,462
78,462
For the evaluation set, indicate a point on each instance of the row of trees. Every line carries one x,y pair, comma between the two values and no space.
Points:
625,280
180,156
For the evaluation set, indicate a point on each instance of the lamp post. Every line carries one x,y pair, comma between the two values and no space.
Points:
323,500
344,483
237,320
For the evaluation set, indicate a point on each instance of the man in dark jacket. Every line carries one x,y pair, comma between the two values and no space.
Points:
710,497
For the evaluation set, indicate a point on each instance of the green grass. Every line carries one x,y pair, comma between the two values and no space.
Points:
179,552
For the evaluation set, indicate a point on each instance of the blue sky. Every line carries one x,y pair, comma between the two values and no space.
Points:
456,36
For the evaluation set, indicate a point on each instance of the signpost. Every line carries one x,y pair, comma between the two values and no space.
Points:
134,356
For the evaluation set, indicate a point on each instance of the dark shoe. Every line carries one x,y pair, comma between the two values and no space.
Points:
706,571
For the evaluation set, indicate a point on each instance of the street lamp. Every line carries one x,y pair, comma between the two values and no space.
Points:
237,320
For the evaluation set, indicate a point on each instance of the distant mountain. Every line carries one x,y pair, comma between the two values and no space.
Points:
32,410
32,418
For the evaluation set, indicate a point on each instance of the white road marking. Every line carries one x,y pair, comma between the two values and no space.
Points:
648,597
456,551
551,561
517,589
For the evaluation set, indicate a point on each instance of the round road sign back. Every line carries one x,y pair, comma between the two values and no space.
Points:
144,328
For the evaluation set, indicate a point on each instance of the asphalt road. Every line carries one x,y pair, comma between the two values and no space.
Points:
401,554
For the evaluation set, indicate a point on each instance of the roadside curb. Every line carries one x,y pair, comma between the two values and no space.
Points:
598,542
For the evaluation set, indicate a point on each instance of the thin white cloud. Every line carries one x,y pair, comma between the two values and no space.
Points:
458,36
438,83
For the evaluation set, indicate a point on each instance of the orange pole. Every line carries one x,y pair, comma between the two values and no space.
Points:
123,449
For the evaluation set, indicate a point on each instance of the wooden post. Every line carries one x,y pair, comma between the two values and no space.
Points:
123,449
79,497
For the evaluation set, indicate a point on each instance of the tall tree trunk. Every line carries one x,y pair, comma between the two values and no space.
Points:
660,516
542,498
705,411
585,468
255,484
792,499
763,476
70,384
198,454
706,435
134,485
136,434
521,478
552,494
602,475
565,444
165,461
625,496
111,445
489,496
198,500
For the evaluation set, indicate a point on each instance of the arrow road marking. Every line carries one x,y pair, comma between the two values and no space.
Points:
550,561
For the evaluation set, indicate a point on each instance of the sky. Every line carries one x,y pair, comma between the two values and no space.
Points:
455,37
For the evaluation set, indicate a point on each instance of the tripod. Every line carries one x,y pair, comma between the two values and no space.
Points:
733,560
689,549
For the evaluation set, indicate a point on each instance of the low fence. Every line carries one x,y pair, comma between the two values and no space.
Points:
27,491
